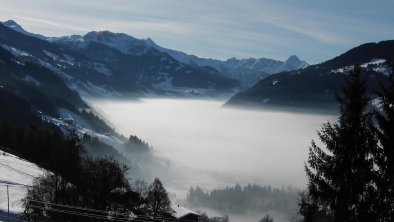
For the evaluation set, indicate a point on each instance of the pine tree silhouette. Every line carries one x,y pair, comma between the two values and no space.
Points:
340,177
385,154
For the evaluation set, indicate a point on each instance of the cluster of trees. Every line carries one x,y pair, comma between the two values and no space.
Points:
42,144
135,144
250,198
98,124
267,218
95,148
100,184
352,177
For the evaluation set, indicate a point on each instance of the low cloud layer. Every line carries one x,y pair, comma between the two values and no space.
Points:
210,146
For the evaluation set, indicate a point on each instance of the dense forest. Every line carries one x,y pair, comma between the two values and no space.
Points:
250,198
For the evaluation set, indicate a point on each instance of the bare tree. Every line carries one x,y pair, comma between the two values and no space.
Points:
157,202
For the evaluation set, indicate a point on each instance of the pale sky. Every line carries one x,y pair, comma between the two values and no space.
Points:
314,30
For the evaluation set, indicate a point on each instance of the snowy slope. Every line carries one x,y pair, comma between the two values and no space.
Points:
70,121
18,174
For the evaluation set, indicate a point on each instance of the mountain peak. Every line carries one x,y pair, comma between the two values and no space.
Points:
295,63
10,23
13,25
293,58
120,41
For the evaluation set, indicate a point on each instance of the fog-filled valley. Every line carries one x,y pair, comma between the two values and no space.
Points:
201,143
196,111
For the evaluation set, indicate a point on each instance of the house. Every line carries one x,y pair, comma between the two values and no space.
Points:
182,213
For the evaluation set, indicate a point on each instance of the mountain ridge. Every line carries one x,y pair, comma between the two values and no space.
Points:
247,71
151,73
317,85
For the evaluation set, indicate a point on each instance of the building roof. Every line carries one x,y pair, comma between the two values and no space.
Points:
182,211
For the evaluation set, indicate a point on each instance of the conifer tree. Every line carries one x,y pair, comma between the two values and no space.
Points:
340,177
385,154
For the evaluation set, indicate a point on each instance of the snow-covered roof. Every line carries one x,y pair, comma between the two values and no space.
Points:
182,211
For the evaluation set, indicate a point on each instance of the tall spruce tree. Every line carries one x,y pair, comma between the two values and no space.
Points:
340,177
385,154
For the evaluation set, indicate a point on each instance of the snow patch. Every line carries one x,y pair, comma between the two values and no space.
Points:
180,66
16,52
29,78
52,55
373,62
166,84
57,71
386,70
343,70
103,69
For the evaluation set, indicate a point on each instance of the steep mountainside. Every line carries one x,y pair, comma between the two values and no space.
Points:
132,61
31,94
316,86
88,77
94,66
38,85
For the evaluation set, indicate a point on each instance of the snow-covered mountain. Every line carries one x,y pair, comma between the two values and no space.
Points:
95,66
120,41
118,64
247,71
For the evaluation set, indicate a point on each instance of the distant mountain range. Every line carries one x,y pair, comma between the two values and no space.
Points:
105,64
247,71
115,64
316,85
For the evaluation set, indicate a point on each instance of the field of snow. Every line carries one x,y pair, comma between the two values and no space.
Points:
17,174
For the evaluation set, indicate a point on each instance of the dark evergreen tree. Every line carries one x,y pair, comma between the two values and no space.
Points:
157,202
267,218
340,177
385,154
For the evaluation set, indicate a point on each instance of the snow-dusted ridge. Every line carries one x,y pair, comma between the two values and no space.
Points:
248,71
376,65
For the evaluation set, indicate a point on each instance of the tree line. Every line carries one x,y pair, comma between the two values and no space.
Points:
250,198
351,175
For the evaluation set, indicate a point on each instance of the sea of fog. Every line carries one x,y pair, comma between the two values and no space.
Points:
204,144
